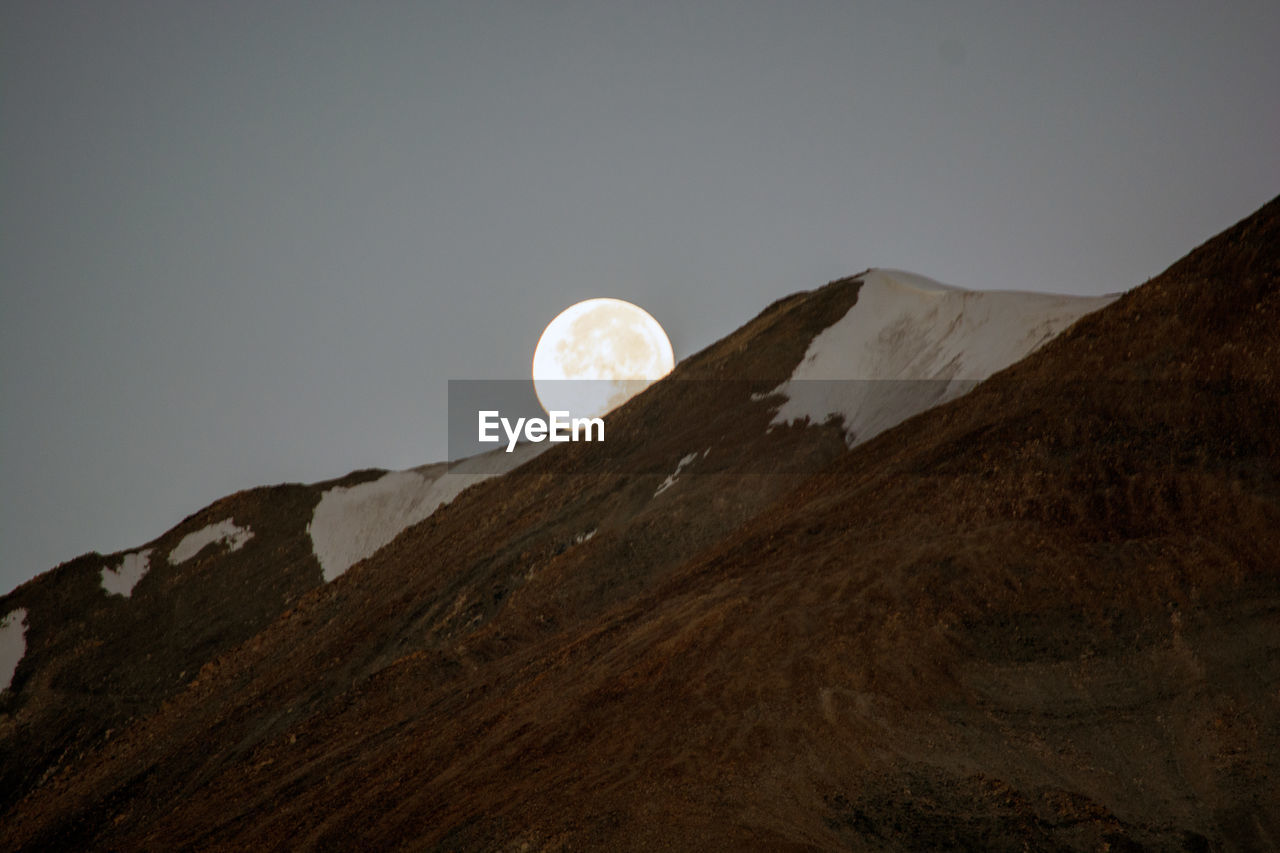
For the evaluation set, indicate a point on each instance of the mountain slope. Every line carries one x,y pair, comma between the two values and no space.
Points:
100,642
91,664
1041,615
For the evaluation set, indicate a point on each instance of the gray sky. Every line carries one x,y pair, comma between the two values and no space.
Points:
244,243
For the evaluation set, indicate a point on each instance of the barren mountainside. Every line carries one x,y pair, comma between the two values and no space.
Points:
1039,613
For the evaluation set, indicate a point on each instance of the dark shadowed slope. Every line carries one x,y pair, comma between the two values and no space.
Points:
1043,616
101,641
109,638
97,662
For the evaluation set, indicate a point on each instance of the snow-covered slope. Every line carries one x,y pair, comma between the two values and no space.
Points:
13,644
121,579
225,532
910,343
352,522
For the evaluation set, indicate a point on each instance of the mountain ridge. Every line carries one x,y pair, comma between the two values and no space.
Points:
976,629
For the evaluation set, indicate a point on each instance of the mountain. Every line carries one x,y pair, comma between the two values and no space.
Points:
822,588
98,642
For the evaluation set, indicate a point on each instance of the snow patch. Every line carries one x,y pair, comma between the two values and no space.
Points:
584,537
224,531
675,475
122,580
350,523
13,644
910,343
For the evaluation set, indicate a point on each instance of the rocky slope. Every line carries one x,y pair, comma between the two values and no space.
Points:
101,641
1040,616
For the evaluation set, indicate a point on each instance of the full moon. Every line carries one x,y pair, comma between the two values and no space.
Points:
596,355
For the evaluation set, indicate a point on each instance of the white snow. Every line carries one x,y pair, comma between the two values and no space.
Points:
225,532
905,328
122,580
350,523
675,475
13,644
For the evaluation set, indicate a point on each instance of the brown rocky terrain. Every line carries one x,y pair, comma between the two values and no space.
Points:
96,662
1044,616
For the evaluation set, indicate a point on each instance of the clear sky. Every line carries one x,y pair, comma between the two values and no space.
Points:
244,242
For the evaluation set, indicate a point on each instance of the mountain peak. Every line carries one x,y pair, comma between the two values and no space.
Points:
1035,611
